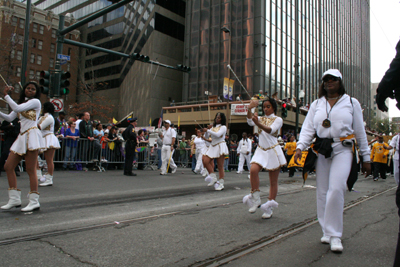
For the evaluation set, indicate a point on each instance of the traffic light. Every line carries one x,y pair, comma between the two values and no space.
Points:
137,56
44,81
284,110
64,82
183,68
260,108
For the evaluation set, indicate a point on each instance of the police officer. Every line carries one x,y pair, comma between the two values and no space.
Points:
130,137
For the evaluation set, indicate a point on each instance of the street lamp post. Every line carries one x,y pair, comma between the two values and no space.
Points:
228,31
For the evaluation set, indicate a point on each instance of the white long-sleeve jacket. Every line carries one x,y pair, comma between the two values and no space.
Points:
265,139
217,134
46,124
346,118
247,142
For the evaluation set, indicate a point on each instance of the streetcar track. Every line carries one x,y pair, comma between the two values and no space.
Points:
279,235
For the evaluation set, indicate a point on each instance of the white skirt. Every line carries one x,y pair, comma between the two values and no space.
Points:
271,159
31,140
51,141
217,151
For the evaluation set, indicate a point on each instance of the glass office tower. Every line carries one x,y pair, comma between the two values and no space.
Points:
259,42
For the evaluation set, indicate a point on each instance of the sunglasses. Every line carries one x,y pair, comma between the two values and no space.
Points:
330,78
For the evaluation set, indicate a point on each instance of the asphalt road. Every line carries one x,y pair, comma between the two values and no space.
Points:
107,219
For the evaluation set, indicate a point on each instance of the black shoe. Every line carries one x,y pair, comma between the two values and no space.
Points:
130,174
17,173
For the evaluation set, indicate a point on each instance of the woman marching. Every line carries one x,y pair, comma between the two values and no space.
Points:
46,125
200,146
27,145
268,155
336,119
217,150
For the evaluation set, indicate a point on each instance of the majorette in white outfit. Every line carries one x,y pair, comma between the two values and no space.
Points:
29,139
244,151
216,149
341,120
169,136
201,148
268,156
46,124
395,144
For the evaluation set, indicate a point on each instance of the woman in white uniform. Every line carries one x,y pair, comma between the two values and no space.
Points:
268,156
27,145
337,120
51,143
217,150
200,146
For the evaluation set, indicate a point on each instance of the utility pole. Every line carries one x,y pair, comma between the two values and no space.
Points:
296,66
60,40
26,42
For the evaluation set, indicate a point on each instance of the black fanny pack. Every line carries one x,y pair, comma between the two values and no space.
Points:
323,146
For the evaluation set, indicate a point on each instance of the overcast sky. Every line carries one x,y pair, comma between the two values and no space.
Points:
385,33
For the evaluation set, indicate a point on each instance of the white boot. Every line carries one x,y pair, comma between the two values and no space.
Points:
33,202
211,179
219,185
14,199
268,207
48,181
253,201
40,176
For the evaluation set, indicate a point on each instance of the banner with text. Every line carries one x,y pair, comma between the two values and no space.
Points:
239,109
226,89
231,88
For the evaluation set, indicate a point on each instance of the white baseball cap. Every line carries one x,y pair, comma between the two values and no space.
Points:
332,72
167,121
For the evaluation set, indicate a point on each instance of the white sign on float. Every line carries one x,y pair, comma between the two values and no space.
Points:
239,109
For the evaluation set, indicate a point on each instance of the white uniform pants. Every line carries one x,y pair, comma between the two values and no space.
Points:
332,174
396,170
242,158
165,154
199,164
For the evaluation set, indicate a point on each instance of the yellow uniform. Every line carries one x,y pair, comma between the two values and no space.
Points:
291,148
378,151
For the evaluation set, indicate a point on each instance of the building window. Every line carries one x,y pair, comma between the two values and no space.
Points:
38,75
35,27
39,60
18,72
17,88
12,53
51,63
33,43
19,55
20,39
40,45
14,21
22,23
32,58
41,29
31,74
52,48
53,33
69,51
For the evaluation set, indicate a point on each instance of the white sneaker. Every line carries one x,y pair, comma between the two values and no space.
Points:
325,239
219,186
253,201
336,244
248,176
238,172
174,170
211,179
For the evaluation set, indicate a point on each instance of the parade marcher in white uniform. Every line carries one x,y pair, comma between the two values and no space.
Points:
46,125
395,144
336,119
169,136
268,156
217,150
201,148
27,145
244,152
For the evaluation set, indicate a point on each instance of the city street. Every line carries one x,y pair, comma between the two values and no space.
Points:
107,219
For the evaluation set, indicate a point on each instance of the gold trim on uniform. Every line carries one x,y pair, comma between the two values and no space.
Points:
215,129
29,114
218,143
268,148
267,122
26,131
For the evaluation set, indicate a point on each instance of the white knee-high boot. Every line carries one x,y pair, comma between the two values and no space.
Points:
252,200
14,199
33,202
48,181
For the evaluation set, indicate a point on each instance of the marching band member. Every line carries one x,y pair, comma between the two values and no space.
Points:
394,143
51,143
268,155
201,148
244,152
27,145
336,119
169,136
217,150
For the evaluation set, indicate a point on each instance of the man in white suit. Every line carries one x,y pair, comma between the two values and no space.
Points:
244,152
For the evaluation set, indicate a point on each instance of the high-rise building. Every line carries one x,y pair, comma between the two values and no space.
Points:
259,40
374,111
149,27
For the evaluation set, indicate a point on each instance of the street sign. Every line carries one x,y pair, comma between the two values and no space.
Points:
62,62
63,57
58,104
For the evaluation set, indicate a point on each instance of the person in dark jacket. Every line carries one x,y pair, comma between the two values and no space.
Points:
131,141
11,132
86,131
390,87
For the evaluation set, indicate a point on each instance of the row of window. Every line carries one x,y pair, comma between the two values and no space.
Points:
35,26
